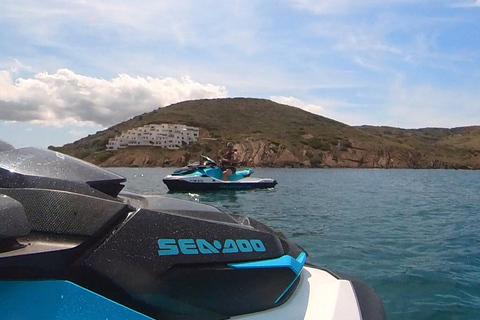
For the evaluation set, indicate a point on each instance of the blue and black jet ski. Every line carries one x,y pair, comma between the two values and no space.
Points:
73,245
208,176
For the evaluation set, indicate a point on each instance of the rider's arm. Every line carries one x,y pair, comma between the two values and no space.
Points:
235,157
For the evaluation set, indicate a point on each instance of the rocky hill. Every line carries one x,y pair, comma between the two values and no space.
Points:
268,134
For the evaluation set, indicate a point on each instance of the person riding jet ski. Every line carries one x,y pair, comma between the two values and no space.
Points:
229,161
207,177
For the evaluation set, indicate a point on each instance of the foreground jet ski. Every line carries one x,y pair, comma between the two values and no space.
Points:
209,177
73,246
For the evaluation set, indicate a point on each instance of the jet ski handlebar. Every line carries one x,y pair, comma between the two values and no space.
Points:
208,160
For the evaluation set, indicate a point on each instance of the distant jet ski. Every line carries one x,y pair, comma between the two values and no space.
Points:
208,176
73,245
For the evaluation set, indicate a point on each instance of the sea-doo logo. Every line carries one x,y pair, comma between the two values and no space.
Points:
170,247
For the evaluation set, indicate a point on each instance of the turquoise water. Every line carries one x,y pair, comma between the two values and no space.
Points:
410,234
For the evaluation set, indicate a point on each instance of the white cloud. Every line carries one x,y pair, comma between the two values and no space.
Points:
388,40
341,6
321,6
292,101
14,66
77,134
467,4
339,110
254,50
354,6
184,22
164,38
66,98
370,44
428,106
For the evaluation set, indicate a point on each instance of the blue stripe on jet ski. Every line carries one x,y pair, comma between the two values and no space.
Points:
285,261
58,299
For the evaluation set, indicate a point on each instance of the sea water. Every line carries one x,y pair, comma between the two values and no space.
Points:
412,235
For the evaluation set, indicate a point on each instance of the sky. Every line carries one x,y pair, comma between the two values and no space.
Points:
71,68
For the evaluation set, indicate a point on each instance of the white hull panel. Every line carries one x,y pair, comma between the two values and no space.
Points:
319,296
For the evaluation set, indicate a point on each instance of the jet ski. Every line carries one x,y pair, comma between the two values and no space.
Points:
208,176
73,245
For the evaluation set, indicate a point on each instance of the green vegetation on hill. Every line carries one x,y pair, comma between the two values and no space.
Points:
458,145
272,134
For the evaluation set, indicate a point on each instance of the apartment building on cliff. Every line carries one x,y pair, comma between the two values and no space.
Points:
169,136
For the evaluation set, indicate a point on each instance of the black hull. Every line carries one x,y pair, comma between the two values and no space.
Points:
181,185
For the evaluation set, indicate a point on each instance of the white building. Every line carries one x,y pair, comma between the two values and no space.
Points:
170,136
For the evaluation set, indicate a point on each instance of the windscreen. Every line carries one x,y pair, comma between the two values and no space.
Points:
33,162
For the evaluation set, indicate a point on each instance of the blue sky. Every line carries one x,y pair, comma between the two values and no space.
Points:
71,68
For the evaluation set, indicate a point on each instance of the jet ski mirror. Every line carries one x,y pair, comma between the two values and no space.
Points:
13,220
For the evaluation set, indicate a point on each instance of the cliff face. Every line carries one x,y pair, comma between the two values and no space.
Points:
268,134
263,153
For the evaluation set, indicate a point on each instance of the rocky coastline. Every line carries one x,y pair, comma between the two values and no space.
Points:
264,153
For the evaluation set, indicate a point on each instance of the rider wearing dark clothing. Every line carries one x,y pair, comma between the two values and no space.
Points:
229,161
